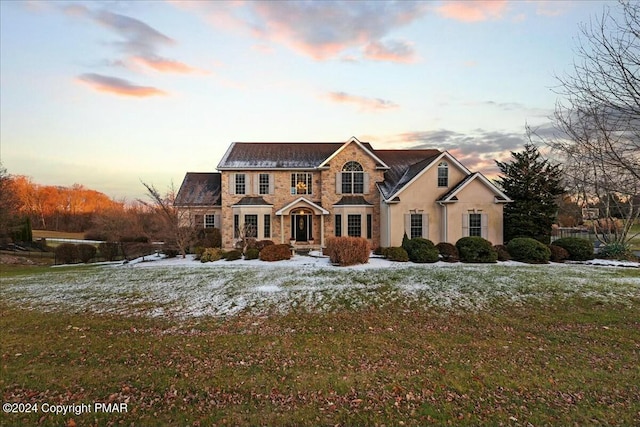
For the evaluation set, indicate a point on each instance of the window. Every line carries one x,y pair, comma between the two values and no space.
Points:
267,226
263,183
236,226
338,225
209,221
475,224
301,183
369,226
416,225
251,225
443,175
352,178
354,225
241,184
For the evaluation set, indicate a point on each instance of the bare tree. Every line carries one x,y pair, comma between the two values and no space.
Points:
598,120
179,224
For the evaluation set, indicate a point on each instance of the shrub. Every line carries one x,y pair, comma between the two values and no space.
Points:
261,244
476,249
209,238
616,251
134,239
448,252
503,253
252,253
348,250
211,254
170,253
397,253
421,250
86,252
379,251
233,255
558,254
526,249
275,252
108,250
66,253
579,249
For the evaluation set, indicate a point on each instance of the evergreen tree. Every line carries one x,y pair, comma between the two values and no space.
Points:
534,185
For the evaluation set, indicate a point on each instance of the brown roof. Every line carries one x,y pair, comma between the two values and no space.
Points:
404,165
200,189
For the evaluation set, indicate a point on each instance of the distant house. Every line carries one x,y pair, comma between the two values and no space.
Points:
304,193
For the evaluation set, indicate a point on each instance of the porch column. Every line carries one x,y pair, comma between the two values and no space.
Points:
321,231
281,228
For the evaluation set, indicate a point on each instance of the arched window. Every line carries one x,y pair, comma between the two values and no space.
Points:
443,175
352,178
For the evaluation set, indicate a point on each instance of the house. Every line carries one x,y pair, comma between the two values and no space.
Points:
304,193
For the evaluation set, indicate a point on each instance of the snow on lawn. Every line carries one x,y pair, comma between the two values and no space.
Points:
187,288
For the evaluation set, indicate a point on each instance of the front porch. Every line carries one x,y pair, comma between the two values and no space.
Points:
302,224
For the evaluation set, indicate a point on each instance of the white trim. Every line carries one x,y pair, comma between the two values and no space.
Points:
354,139
429,166
312,205
486,182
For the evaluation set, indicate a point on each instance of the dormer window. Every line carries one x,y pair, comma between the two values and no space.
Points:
352,178
443,175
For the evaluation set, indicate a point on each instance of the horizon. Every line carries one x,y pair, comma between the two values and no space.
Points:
107,95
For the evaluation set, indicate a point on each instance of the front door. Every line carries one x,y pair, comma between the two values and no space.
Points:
301,225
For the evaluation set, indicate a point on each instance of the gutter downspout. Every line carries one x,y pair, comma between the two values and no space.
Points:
445,224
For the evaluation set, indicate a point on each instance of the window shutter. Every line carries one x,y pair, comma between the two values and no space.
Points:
339,183
484,222
216,221
407,224
271,184
365,181
425,226
232,183
465,225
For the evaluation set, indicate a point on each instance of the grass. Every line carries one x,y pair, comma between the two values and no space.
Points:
377,352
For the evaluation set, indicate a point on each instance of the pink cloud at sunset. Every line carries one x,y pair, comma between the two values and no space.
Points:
118,86
391,51
165,65
473,11
363,102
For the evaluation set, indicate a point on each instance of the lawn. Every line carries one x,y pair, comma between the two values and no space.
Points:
308,344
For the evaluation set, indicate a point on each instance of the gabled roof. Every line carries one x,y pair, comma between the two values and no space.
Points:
404,165
364,146
199,189
451,196
302,201
287,155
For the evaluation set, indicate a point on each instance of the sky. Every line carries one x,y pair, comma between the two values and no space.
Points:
109,94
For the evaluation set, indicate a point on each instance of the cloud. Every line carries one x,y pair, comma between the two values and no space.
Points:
473,11
364,103
477,150
138,41
322,30
392,50
118,86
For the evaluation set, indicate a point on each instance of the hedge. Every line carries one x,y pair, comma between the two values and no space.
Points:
421,250
448,252
579,249
476,250
275,252
348,250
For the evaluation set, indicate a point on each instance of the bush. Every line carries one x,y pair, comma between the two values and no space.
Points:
209,238
275,252
261,244
233,255
616,251
476,249
526,249
579,249
66,253
421,250
86,252
558,254
134,239
170,253
348,250
108,250
397,253
211,254
448,252
503,253
252,253
380,251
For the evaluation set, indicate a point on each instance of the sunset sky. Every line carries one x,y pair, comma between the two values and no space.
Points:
106,94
